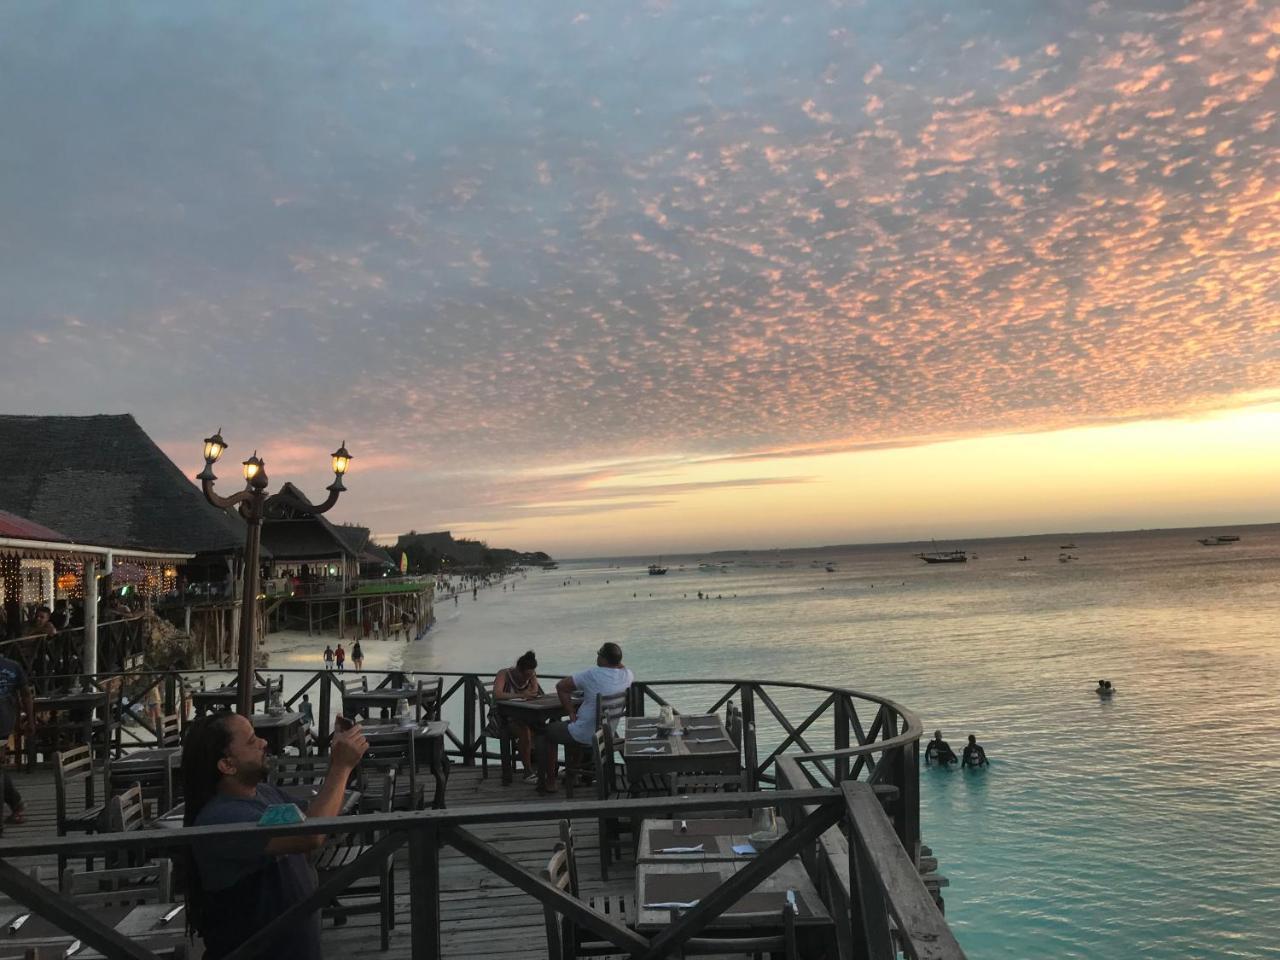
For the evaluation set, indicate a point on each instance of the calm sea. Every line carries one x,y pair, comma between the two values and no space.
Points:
1144,826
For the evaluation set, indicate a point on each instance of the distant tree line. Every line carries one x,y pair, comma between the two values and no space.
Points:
439,552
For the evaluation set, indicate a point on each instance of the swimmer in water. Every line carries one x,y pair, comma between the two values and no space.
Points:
974,755
1104,689
939,750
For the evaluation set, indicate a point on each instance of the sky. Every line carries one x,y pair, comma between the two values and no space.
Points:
649,276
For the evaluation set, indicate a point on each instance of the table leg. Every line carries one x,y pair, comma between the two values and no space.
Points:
508,761
439,771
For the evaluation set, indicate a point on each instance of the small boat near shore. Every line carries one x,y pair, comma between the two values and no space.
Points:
943,556
1218,541
656,570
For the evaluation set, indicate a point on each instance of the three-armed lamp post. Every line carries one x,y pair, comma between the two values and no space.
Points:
251,502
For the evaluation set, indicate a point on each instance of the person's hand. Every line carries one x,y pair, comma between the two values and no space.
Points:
347,747
573,715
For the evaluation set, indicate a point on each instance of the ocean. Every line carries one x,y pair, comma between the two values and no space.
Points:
1147,825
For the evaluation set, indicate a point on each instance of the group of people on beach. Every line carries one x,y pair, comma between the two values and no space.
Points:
337,659
939,751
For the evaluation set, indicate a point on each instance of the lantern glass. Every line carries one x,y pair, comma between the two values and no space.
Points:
213,447
252,467
341,459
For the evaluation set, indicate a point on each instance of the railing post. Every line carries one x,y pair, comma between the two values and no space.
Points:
424,892
841,735
907,814
868,912
748,692
322,721
469,721
170,693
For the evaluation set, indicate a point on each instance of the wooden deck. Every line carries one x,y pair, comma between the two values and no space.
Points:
483,916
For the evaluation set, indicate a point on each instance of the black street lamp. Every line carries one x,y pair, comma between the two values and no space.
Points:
251,502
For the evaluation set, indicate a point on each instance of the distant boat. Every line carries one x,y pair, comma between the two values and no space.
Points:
1219,541
656,569
831,568
943,556
1067,546
1228,538
1022,558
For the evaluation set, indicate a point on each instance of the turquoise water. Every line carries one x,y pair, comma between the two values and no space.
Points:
1144,826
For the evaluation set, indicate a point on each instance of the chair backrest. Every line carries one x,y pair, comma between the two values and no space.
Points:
610,708
149,883
733,723
169,730
295,771
604,759
126,811
68,767
782,943
428,699
559,875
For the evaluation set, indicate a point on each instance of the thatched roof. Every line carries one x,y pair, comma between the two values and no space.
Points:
101,479
293,532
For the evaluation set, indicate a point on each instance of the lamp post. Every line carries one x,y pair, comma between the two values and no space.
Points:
251,503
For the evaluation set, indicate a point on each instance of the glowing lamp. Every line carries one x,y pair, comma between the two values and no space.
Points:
213,447
252,467
341,459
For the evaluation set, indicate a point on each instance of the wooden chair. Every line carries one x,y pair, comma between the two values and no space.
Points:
335,855
508,745
430,693
111,895
579,762
720,782
125,813
71,767
299,771
388,775
780,944
565,940
609,786
169,731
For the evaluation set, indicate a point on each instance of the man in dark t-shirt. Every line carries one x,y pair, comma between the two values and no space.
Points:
15,693
246,881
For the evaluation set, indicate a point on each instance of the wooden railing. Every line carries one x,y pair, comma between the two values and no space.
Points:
118,640
871,765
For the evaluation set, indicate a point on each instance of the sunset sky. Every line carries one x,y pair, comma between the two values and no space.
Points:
615,277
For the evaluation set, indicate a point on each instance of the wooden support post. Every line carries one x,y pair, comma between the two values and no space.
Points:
748,692
868,912
469,722
322,721
424,893
842,736
89,656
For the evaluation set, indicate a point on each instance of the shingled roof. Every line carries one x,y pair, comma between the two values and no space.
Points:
101,479
293,532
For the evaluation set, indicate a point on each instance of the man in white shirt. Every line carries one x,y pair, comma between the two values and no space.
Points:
608,676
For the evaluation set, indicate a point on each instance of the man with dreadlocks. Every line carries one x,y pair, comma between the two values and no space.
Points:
236,885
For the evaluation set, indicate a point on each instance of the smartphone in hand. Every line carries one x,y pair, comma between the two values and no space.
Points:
342,724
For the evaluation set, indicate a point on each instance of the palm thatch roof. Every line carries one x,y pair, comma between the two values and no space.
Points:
101,479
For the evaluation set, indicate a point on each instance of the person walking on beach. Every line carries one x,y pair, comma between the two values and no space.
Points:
340,658
237,885
357,655
974,755
328,657
15,693
608,676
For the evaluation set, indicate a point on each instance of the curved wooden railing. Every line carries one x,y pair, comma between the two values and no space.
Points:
837,759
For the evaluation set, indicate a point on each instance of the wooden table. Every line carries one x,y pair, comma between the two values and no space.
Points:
705,747
223,697
718,836
534,713
758,913
280,731
428,740
362,703
84,703
146,766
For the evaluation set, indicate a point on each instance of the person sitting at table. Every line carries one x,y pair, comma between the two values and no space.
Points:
42,624
237,884
518,683
608,676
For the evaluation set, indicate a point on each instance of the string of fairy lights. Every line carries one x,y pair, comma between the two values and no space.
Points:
62,578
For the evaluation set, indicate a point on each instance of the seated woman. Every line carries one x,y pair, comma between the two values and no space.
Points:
518,683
